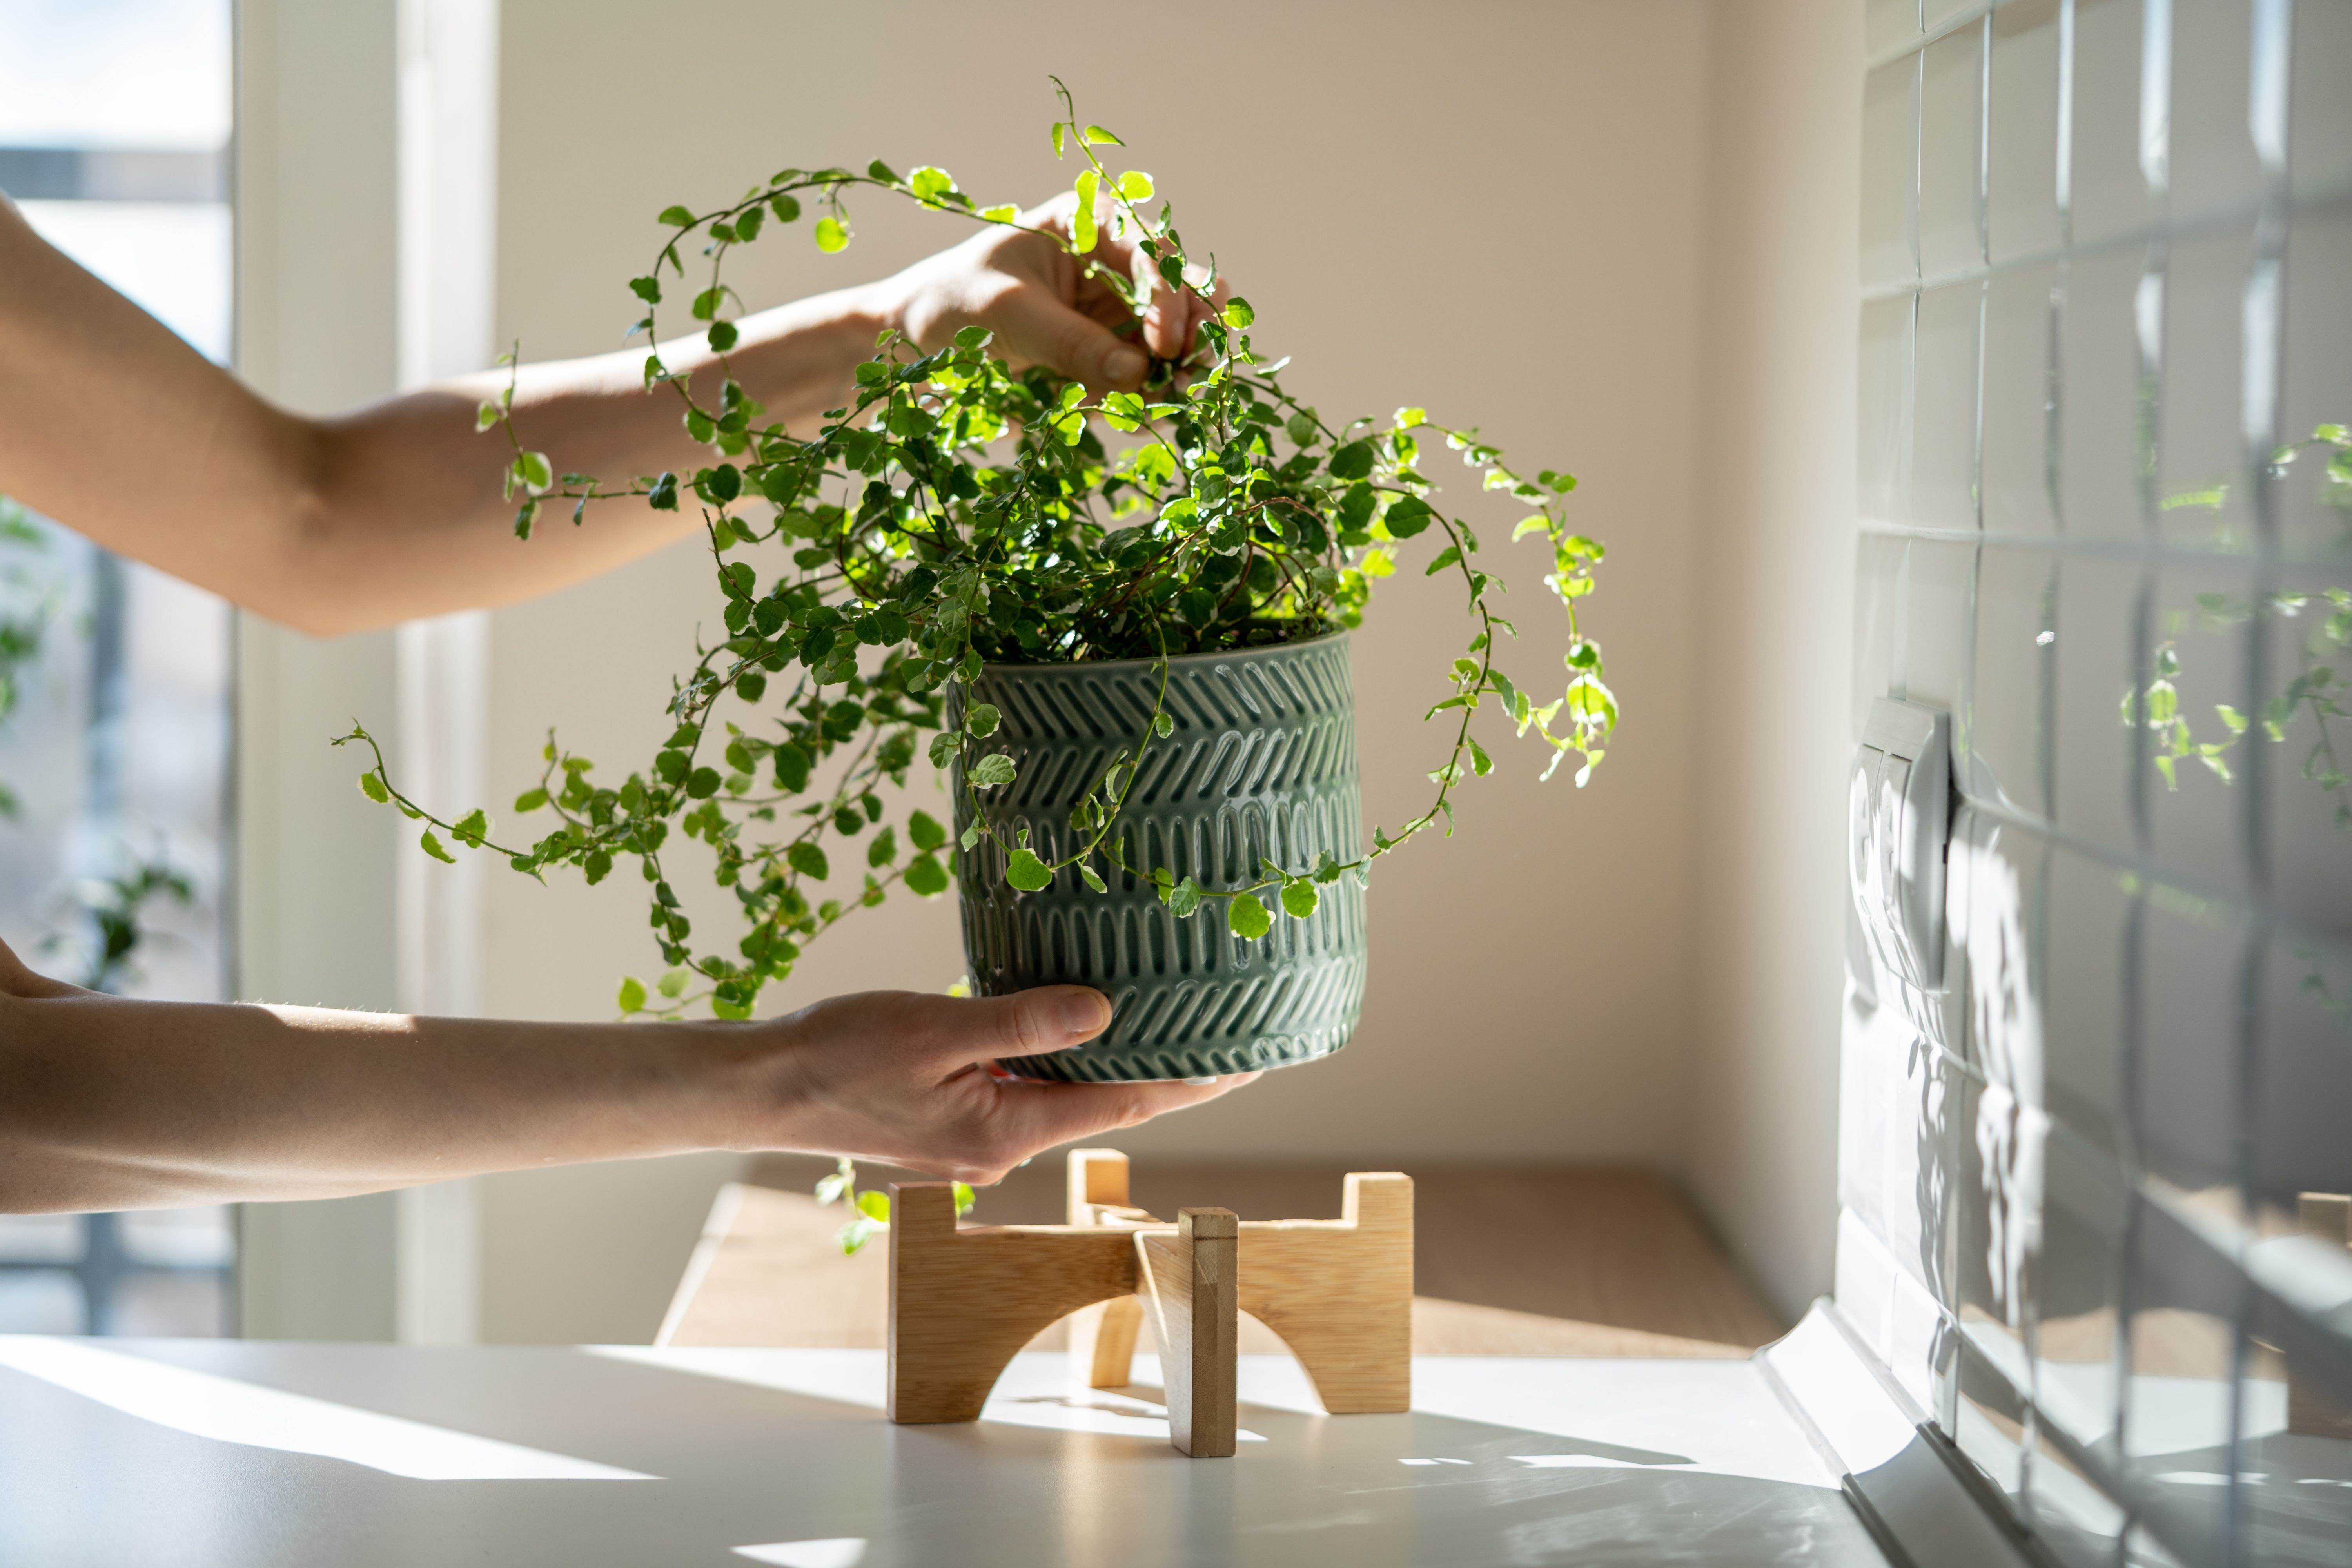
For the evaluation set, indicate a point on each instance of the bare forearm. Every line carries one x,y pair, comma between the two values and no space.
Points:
411,520
110,1104
117,429
106,1104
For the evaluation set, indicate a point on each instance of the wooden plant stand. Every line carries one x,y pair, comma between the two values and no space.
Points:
2312,1411
964,1298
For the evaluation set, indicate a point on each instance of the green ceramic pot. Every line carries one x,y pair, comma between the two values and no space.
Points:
1262,765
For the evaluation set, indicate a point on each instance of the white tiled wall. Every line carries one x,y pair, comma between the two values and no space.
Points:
2107,255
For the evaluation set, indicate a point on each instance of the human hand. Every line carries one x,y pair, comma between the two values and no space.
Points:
1041,304
903,1076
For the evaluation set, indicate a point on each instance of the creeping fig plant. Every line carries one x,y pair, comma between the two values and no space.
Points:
959,514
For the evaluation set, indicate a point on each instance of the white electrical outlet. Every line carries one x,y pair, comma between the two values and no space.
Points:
1899,825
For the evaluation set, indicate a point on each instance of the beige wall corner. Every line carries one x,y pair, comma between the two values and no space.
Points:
1774,590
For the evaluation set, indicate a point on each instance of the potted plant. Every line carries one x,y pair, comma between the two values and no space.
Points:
1118,622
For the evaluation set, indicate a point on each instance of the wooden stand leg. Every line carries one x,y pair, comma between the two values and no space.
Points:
1102,1342
1102,1337
2312,1411
1191,1273
1340,1292
964,1298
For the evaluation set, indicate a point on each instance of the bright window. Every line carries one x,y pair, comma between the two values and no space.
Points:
115,680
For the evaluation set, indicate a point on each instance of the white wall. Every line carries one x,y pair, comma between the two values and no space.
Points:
1775,596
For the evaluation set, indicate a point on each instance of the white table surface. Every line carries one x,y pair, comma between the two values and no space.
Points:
254,1454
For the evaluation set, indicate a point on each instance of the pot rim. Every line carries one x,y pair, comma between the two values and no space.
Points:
1178,660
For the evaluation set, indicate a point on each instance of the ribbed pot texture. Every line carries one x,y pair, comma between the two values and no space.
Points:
1262,765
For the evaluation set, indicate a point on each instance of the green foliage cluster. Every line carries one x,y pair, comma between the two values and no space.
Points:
958,514
28,603
110,909
2317,688
113,910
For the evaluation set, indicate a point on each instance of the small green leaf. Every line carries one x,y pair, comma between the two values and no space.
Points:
1026,872
883,849
875,1206
632,996
809,860
1092,878
1407,516
982,721
676,217
432,845
1135,185
373,787
529,800
926,875
1183,899
1238,313
831,236
925,833
1247,917
488,415
674,984
966,1200
1082,221
793,763
1097,137
994,769
1300,899
471,829
1162,725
